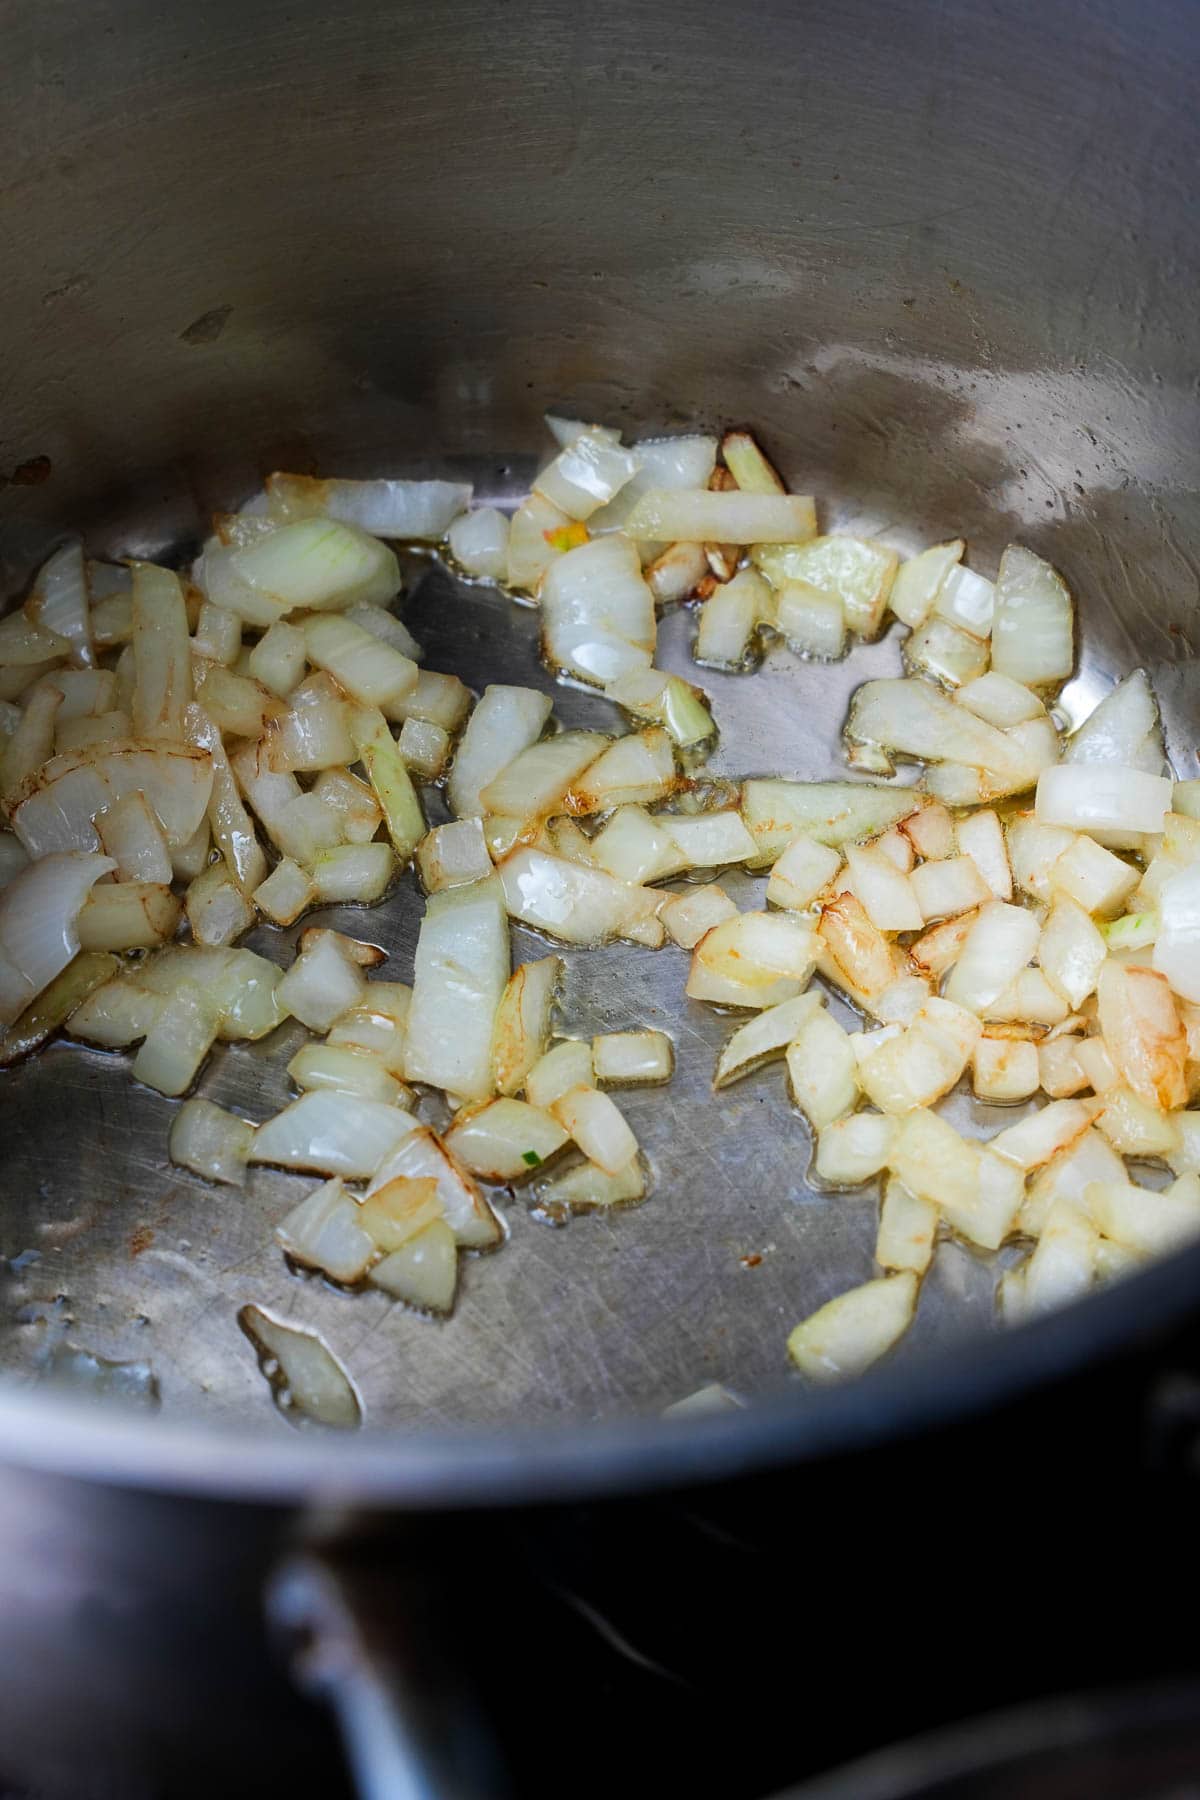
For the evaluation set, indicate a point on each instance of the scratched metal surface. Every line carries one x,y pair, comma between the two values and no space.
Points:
137,1262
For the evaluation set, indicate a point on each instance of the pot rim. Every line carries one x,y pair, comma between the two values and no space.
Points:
56,1434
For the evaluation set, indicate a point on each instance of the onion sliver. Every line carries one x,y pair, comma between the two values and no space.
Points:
1107,796
460,972
332,1134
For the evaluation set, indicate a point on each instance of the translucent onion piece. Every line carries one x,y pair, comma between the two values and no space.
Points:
945,652
1067,1176
479,543
731,517
565,1066
1005,1070
130,915
588,1188
353,873
423,1272
389,778
1044,1134
132,836
918,580
1000,701
317,563
537,537
26,645
371,672
178,1040
822,1073
523,1021
211,1142
421,1156
914,718
676,574
32,742
907,1230
632,1058
586,474
681,462
756,960
1177,945
858,955
598,613
39,911
729,620
1124,728
505,1141
1144,1034
887,897
321,984
966,600
635,771
812,620
54,1005
332,1134
1032,632
307,1379
688,916
850,1332
575,904
1152,1224
59,603
598,1128
537,780
391,509
161,654
1001,942
858,571
324,1233
424,748
505,722
829,812
633,847
460,971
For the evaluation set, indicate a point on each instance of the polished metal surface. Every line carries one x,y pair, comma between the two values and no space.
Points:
939,256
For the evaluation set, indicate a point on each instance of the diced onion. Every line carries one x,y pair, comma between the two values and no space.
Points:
391,509
211,1142
1032,631
460,972
850,1332
479,543
523,1020
506,1140
597,612
307,1378
505,722
632,1058
423,1272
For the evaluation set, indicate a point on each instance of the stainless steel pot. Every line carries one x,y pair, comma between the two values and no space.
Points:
943,258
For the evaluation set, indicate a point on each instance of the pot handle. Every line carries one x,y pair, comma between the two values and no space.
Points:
355,1637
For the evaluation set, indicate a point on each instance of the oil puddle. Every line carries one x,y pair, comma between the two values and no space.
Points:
308,1384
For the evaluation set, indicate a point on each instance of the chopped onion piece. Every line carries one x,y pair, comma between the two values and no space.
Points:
587,1187
1005,1070
597,1126
586,474
634,771
358,873
708,840
1103,795
59,603
532,548
116,1014
390,509
523,1020
506,1140
1135,1128
479,543
389,778
1000,944
907,1229
398,1210
161,653
1143,1034
633,847
506,721
1000,701
732,517
461,968
1066,1177
1152,1224
356,806
804,870
828,812
132,915
748,466
853,1149
423,1272
756,960
1071,951
860,957
1177,945
1063,1266
321,984
1124,728
1093,877
858,571
981,838
453,855
822,1069
916,719
332,1134
132,836
945,652
178,1040
237,706
688,916
886,896
344,1071
32,742
918,581
25,646
278,660
307,1379
537,780
598,613
421,1155
1044,1134
954,885
54,1006
633,1058
317,563
211,1142
676,574
324,1233
424,748
371,672
1028,1000
1032,632
1060,1072
966,600
314,732
916,1066
849,1333
564,1067
39,912
1184,1156
812,620
729,619
576,904
977,1193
